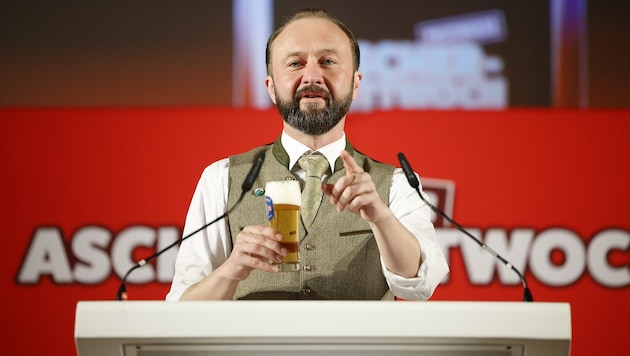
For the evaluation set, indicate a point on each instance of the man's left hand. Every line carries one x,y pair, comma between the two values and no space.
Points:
356,192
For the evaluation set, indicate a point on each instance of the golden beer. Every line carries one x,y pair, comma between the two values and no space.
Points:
283,200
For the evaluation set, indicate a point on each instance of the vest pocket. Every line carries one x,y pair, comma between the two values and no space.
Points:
355,232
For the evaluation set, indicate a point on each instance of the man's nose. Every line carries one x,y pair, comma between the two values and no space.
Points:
312,74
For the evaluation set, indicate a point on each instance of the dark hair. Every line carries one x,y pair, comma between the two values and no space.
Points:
315,13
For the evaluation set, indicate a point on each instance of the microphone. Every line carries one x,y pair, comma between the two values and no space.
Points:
413,181
253,174
247,185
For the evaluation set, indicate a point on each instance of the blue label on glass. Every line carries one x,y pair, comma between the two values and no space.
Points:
269,206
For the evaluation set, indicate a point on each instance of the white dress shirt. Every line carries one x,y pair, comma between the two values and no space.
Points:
199,255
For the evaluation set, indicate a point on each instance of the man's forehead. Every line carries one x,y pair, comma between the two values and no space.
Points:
304,31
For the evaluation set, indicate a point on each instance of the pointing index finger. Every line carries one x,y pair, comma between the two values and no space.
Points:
349,163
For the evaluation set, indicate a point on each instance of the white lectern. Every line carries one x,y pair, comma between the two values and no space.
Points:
322,328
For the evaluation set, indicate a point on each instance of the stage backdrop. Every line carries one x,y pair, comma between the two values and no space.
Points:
87,191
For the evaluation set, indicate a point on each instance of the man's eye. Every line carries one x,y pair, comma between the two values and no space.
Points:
328,61
294,64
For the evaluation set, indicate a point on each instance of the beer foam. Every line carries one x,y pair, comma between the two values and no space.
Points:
284,192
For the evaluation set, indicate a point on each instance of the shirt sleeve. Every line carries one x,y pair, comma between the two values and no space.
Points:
202,252
415,215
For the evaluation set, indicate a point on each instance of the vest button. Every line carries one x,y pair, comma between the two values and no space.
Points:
309,247
308,267
307,291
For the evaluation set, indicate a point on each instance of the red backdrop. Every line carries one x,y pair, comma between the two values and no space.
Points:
560,173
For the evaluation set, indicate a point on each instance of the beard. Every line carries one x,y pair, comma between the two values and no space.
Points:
314,120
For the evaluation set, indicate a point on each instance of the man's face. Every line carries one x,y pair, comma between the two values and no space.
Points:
312,81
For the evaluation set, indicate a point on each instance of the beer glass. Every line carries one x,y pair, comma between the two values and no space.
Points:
283,200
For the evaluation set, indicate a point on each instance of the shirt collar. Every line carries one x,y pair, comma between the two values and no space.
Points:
296,149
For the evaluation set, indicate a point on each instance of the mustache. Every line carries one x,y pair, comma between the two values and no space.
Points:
313,89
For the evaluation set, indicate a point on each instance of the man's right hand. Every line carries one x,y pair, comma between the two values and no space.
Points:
256,247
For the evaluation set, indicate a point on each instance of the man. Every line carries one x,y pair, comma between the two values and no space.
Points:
373,234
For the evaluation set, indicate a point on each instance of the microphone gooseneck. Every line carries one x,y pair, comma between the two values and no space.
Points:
247,185
415,183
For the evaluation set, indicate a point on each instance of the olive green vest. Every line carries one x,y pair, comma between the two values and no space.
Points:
339,256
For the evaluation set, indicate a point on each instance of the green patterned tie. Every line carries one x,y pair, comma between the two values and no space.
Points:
315,166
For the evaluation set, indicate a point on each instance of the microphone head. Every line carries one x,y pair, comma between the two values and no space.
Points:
406,167
253,172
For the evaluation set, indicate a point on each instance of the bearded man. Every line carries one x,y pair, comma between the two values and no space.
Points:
372,238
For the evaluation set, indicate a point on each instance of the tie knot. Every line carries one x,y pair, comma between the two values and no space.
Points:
315,165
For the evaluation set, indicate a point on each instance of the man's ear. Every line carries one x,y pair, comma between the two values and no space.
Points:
271,89
357,83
